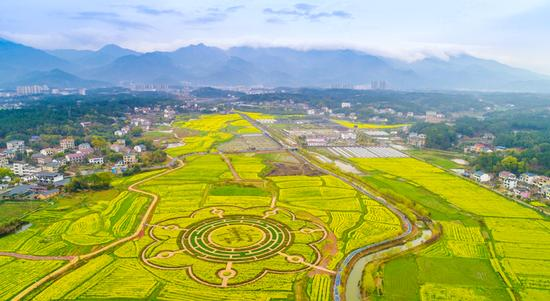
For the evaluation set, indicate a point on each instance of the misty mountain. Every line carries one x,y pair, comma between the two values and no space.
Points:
199,60
17,60
274,66
322,67
152,67
468,72
56,78
88,58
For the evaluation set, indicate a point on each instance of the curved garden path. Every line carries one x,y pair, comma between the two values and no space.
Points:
74,260
350,261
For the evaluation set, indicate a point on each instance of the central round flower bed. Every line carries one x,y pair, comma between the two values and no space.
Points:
237,238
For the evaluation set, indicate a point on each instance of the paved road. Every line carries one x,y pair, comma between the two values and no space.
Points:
405,222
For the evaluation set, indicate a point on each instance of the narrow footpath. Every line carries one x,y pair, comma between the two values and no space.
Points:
74,260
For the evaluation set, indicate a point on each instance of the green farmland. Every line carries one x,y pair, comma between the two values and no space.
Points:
487,243
230,223
218,227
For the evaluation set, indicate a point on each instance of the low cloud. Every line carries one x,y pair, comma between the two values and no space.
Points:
275,21
147,10
215,15
110,18
234,8
305,11
305,7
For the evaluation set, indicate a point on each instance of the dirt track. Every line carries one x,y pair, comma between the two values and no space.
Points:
76,259
231,168
35,257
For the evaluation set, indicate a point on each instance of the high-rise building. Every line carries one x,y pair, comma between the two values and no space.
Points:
31,90
378,85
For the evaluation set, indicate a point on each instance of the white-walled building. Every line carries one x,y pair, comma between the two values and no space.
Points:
481,177
15,145
130,159
510,182
67,144
528,178
96,161
23,169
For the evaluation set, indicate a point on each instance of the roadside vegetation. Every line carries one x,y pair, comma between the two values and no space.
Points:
487,239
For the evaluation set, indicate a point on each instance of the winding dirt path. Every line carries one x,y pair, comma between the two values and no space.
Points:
231,167
35,257
74,260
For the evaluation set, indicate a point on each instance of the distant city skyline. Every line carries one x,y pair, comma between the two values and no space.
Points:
512,32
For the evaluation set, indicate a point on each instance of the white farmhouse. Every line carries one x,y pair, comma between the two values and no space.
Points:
481,177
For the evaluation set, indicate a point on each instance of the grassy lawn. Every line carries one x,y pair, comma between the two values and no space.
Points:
231,190
439,158
401,279
458,271
10,211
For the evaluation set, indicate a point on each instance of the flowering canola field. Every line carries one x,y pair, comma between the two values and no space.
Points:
222,229
499,247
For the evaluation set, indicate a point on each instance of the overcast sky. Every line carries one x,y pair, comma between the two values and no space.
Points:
516,32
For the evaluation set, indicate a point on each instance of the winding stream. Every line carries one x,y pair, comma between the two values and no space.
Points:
353,283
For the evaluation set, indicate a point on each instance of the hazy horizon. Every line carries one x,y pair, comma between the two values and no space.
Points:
506,31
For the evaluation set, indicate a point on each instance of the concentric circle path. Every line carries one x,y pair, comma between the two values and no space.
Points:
236,238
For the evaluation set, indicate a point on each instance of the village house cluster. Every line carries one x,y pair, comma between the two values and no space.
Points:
525,186
39,173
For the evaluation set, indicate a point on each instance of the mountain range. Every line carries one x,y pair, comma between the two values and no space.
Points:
201,65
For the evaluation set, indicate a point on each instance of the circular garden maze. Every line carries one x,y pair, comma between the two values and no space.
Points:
231,246
237,238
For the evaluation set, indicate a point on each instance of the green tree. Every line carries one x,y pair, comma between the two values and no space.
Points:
5,172
510,163
98,181
114,157
488,162
136,132
98,142
440,136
